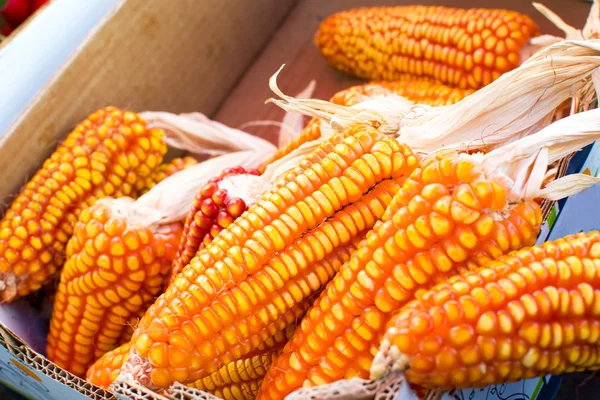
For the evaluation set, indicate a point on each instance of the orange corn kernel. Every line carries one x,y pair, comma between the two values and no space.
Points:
106,369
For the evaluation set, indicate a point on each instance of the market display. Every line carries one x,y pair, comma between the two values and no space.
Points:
390,241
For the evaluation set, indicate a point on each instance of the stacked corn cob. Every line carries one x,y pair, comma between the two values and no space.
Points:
364,213
121,255
448,216
113,153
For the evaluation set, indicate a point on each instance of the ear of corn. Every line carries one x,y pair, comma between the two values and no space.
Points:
214,209
105,155
528,314
447,217
114,271
164,171
190,306
465,48
237,380
417,90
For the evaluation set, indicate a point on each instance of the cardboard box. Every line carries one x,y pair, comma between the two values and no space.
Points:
212,56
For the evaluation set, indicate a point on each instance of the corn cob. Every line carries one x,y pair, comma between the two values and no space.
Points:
240,376
115,269
417,90
241,251
240,379
164,171
213,210
528,314
106,368
443,219
465,48
105,155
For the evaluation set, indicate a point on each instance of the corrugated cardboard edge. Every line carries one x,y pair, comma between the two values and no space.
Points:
23,352
146,55
135,391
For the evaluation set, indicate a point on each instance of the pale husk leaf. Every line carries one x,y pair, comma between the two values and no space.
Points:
571,33
522,165
196,133
517,104
567,186
342,117
174,196
292,123
591,29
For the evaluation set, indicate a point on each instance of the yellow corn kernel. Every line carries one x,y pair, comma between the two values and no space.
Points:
35,230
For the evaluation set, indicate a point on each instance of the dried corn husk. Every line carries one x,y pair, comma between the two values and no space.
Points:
518,103
291,124
197,134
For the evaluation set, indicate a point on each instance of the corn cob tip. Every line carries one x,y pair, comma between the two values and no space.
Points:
136,369
388,359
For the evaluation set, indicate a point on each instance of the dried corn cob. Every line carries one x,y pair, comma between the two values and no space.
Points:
214,209
417,90
531,313
115,269
105,155
465,48
437,222
456,212
240,379
240,376
165,170
240,253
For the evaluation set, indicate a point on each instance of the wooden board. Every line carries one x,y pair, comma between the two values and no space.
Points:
293,46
